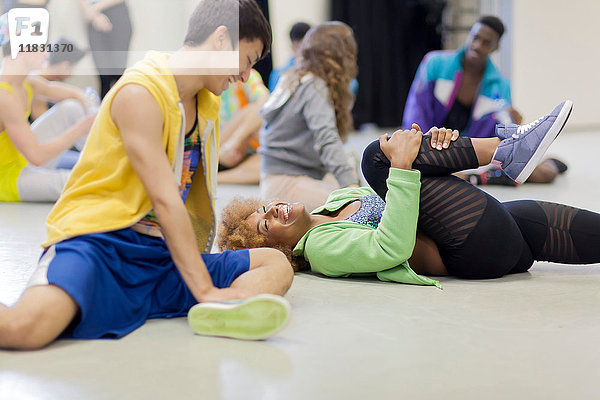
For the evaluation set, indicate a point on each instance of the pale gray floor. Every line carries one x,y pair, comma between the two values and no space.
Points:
527,336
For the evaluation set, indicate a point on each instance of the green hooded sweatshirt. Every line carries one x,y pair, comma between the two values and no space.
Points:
345,248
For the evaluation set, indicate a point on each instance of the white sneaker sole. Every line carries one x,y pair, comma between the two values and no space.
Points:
256,318
553,132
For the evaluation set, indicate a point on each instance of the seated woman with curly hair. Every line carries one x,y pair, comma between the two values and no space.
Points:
441,224
307,118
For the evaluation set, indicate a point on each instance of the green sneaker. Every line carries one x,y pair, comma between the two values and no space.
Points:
256,318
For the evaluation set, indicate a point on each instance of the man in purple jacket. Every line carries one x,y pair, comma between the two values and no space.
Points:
463,90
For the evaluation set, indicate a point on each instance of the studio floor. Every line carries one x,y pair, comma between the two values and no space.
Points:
528,336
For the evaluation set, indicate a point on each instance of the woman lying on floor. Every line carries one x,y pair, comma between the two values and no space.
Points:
442,225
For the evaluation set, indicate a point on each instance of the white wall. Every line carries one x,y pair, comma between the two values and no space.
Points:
284,14
556,55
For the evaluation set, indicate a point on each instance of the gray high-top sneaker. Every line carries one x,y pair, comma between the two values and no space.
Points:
523,146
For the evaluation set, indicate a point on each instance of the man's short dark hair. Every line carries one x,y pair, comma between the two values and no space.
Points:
72,57
493,22
210,14
298,31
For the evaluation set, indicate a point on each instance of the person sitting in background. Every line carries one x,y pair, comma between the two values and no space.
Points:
463,90
240,124
34,159
308,117
57,68
297,33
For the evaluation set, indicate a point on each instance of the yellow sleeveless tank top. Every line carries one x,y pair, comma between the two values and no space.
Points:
11,161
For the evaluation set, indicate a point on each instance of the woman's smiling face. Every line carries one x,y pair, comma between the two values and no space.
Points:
280,223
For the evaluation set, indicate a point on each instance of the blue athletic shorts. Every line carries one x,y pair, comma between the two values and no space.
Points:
120,279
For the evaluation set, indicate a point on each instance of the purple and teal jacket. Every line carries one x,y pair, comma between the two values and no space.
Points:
435,88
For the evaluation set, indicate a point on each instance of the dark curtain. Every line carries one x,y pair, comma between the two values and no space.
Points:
264,67
393,36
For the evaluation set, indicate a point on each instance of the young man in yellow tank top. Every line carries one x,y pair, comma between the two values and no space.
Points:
125,238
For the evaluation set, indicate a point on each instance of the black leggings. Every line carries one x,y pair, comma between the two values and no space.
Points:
109,49
477,236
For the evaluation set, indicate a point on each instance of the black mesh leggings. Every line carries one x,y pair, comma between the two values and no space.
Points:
477,236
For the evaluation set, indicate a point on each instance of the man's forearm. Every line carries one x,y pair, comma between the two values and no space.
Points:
181,240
